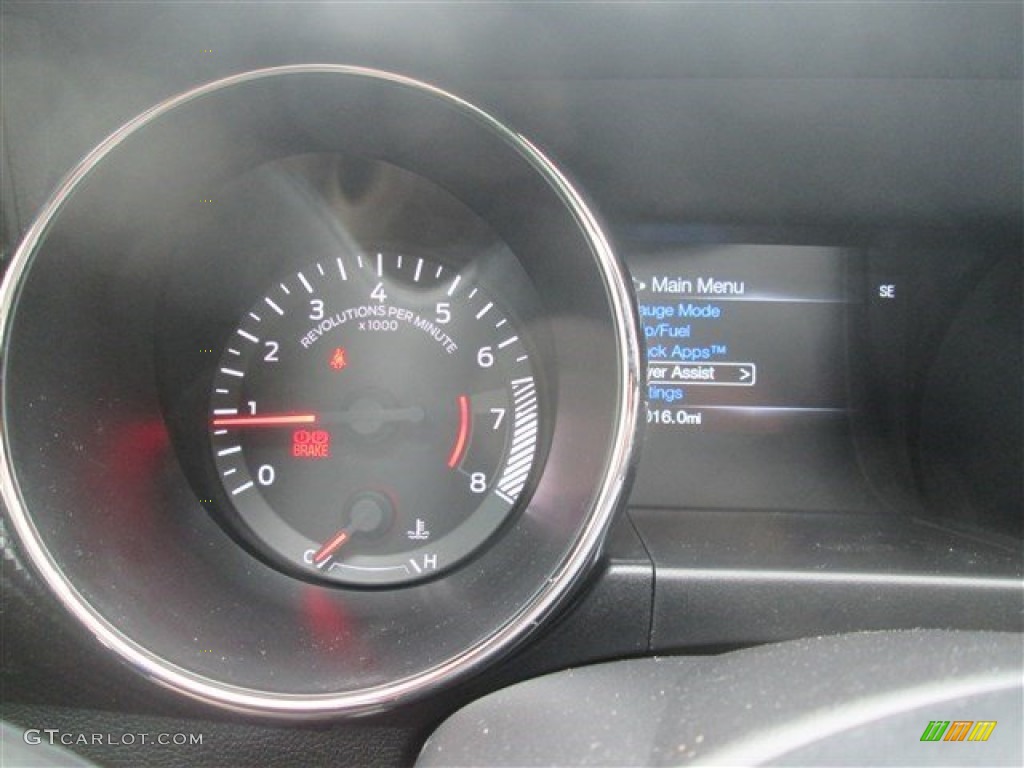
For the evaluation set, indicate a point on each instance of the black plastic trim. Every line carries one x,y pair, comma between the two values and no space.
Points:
726,578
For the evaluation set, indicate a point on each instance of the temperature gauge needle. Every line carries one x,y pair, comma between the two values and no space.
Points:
369,512
266,420
331,546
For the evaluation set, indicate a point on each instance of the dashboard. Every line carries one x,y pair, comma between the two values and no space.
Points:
384,382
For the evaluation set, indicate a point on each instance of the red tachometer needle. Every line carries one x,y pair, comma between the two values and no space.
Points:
264,420
331,546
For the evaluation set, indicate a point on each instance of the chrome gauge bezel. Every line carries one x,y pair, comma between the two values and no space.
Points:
606,315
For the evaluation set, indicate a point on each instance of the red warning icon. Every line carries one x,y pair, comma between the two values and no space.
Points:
311,444
339,359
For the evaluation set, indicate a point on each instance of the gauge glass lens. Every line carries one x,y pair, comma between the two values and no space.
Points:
374,419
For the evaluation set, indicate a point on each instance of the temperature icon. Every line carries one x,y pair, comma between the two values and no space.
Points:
420,532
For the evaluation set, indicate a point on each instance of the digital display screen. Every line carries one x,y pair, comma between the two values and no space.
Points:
741,337
747,376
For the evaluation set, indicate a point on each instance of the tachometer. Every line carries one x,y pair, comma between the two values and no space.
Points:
374,419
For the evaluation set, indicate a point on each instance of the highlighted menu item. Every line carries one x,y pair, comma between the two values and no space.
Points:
712,375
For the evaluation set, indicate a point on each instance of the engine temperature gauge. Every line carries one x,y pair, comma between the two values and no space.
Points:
374,419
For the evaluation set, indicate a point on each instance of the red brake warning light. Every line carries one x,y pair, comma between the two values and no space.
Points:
311,444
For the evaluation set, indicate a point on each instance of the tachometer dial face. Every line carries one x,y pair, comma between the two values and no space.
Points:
374,419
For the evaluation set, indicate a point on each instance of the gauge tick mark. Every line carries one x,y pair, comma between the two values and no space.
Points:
242,488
